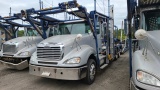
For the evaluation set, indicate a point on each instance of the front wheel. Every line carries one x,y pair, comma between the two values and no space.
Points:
91,72
119,55
115,57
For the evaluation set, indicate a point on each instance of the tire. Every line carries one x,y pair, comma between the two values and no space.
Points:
91,72
115,57
119,55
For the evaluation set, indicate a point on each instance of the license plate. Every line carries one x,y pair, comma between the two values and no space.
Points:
46,74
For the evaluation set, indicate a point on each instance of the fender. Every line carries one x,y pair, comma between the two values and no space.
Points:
31,49
84,52
33,59
149,65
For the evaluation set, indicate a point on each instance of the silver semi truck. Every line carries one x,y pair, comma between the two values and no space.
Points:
70,55
79,48
16,52
146,59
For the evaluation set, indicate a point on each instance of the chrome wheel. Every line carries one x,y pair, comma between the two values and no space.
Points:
92,71
116,56
119,55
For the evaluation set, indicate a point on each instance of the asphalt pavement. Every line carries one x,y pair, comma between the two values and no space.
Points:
114,77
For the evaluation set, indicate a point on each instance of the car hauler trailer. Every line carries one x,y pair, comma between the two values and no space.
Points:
145,61
16,53
77,50
125,43
4,33
117,42
8,28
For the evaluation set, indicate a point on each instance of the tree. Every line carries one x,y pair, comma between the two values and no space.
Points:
119,34
20,33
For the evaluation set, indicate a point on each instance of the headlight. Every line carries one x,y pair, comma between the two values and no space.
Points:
147,78
73,61
24,53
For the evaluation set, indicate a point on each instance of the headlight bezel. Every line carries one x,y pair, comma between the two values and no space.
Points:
21,53
149,74
67,61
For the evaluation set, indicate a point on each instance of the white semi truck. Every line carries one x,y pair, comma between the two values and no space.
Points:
16,53
77,50
145,61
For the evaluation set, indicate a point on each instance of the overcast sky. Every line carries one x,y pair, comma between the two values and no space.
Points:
120,6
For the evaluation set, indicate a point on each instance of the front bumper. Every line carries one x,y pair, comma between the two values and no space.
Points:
20,66
58,73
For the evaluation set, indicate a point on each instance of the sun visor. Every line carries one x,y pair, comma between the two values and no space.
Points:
144,3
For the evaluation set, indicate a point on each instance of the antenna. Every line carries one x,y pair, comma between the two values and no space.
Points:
40,4
95,5
121,31
108,7
10,11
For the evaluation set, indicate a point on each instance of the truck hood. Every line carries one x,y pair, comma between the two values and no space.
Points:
15,45
151,62
22,39
67,43
60,39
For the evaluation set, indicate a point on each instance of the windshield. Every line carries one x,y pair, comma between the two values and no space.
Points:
31,32
152,20
72,28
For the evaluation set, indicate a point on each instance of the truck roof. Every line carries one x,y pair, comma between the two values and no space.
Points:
146,3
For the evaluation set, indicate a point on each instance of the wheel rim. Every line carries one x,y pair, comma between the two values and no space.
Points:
116,56
92,71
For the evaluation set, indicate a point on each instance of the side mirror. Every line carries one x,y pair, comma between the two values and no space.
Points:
140,34
79,37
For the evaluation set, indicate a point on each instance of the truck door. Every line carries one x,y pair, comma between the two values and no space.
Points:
100,31
99,37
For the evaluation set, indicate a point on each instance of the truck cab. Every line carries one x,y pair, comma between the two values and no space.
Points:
16,53
80,47
146,59
69,55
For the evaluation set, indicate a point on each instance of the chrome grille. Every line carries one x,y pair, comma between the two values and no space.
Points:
53,53
9,48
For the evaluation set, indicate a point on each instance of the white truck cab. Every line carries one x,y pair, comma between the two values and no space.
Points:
69,55
16,53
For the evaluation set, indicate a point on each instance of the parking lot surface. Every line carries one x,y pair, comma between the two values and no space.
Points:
114,77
